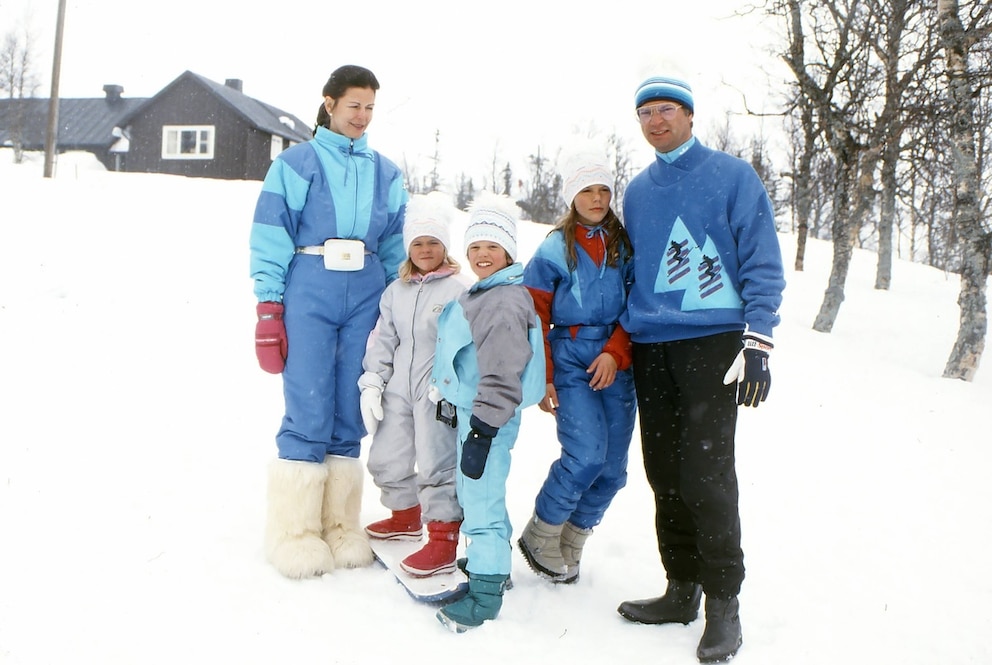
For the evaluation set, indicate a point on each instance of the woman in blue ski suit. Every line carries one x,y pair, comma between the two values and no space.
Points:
326,238
489,365
579,278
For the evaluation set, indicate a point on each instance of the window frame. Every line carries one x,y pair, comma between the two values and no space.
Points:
205,143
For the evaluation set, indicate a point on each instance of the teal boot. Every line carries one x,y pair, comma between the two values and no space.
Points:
462,564
482,603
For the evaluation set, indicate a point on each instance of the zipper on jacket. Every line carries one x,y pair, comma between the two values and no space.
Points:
413,332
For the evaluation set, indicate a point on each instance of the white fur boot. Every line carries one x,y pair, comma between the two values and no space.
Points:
342,530
293,541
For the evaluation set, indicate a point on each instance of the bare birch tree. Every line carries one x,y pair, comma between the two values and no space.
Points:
975,235
855,63
832,78
18,80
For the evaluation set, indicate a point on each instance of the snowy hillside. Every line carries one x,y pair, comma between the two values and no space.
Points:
136,428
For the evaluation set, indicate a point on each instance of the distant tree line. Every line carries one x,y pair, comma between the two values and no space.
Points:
537,192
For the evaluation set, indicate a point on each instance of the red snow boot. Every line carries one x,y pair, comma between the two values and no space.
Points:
402,525
438,555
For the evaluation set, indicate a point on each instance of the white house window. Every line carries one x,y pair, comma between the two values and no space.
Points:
275,147
187,142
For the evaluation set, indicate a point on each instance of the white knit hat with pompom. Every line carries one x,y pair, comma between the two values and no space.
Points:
493,217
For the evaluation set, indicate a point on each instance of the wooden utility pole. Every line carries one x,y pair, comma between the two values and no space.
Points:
51,137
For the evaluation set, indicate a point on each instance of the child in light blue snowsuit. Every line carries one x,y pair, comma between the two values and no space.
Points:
489,364
579,278
327,236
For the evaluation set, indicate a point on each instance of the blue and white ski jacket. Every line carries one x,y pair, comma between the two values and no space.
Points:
329,187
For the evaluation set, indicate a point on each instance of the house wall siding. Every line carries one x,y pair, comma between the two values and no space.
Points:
190,104
258,155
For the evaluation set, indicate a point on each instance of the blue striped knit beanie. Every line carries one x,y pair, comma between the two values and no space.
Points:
663,87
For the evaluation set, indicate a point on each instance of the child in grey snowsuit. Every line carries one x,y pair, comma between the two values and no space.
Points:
412,456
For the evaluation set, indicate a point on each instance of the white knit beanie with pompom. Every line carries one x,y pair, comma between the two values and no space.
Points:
493,217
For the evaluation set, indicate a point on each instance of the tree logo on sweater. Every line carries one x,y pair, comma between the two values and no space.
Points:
695,271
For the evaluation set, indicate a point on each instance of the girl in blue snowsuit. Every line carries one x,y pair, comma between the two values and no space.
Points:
579,278
489,364
326,238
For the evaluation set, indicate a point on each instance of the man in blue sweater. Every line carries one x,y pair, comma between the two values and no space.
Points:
708,285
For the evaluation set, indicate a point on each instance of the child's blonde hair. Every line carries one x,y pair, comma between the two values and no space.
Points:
407,270
427,215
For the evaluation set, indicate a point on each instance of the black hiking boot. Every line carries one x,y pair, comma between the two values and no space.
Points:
722,635
680,604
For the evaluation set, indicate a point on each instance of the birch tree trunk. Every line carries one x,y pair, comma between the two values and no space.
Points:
886,216
802,182
843,231
976,243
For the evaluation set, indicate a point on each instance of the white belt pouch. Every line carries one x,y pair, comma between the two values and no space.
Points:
346,255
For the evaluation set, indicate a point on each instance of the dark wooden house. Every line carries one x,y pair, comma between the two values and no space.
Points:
192,127
196,127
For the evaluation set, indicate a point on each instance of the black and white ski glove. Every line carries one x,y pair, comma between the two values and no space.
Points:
750,370
475,450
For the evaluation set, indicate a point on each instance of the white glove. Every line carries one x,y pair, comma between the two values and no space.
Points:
433,394
371,405
371,385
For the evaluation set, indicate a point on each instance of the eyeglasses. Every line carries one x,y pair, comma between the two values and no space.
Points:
666,111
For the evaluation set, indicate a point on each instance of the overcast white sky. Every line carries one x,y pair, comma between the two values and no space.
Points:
499,81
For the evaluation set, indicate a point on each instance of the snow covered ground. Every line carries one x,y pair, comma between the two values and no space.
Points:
135,429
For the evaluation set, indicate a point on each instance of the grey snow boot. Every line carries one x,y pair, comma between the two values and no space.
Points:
680,604
540,544
722,635
573,539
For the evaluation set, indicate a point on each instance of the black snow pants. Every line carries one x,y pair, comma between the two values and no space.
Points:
688,419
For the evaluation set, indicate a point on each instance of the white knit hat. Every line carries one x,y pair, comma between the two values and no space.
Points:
493,217
427,215
583,168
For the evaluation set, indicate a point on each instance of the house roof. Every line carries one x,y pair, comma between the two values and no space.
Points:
260,115
84,124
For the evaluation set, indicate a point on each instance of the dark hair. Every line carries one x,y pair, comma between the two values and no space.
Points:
349,76
618,246
323,118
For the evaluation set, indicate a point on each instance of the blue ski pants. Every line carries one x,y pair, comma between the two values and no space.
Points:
329,315
594,430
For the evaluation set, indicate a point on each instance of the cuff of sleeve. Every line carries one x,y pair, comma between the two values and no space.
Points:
371,380
619,347
753,340
482,427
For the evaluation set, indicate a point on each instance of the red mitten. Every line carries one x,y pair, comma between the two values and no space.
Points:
270,337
